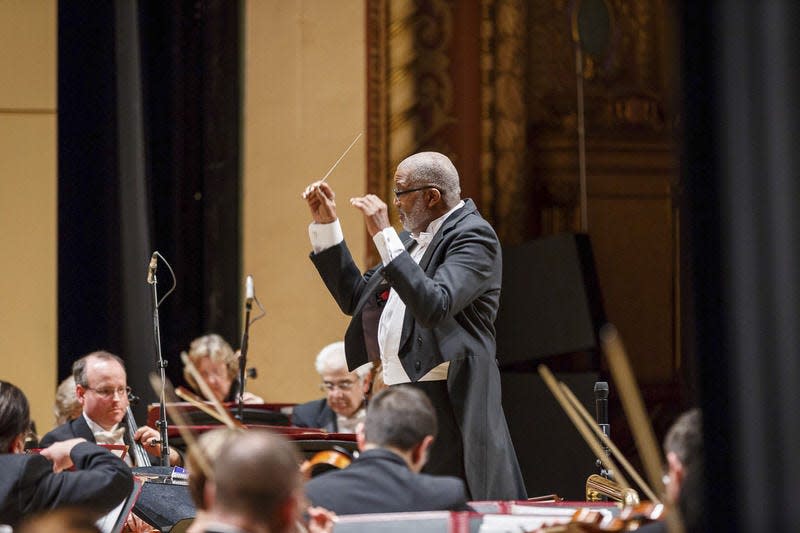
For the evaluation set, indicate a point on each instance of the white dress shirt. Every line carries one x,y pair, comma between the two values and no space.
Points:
113,436
390,327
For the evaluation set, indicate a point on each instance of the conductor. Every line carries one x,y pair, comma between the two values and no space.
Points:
427,312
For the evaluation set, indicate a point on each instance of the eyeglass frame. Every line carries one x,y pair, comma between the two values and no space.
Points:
329,386
398,194
107,392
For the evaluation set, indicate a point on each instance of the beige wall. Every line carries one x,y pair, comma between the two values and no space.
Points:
304,102
305,82
28,201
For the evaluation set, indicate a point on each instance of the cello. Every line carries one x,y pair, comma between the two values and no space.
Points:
139,456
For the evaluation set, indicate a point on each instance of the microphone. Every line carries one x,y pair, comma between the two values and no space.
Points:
151,269
601,415
601,407
249,291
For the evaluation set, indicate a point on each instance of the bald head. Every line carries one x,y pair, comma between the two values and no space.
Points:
436,170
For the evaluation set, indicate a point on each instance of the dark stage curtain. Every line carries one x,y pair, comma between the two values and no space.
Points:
741,61
149,138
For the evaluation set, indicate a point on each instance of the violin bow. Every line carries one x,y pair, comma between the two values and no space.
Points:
633,406
207,392
180,423
580,425
187,396
589,421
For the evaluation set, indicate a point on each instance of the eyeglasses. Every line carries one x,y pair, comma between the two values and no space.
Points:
110,392
415,189
330,386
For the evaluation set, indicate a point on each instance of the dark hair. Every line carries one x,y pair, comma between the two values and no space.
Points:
400,417
15,415
254,474
79,366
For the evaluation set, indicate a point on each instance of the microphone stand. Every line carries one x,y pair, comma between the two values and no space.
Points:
243,358
162,365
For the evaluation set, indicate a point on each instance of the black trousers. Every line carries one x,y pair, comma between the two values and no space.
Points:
446,455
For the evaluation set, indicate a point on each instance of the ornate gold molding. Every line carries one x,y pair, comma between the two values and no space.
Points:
410,86
504,116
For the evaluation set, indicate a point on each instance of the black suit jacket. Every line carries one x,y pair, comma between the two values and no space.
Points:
379,481
68,430
315,414
28,483
79,428
451,299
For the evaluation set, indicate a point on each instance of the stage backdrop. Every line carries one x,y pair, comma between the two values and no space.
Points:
28,201
304,102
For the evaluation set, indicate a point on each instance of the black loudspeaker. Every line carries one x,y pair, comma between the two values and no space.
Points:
551,302
552,455
162,505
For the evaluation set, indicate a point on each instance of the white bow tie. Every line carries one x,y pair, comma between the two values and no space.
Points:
109,437
423,239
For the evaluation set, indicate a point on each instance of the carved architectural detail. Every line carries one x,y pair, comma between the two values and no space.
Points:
410,85
504,116
624,89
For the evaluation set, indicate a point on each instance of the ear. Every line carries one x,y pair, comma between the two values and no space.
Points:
367,383
290,510
209,493
80,392
419,453
18,444
675,465
434,198
676,473
361,440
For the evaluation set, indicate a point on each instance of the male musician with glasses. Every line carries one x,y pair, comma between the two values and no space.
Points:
435,329
344,405
101,386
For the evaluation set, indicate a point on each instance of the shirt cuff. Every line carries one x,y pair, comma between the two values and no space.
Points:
389,245
324,236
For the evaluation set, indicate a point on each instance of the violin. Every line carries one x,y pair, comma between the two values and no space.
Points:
325,460
592,521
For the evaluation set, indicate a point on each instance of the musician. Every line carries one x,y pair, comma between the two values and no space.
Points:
683,446
102,390
209,444
257,487
344,405
219,365
394,442
63,520
67,406
427,311
37,482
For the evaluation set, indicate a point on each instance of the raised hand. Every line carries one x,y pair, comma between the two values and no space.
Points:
375,211
320,198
